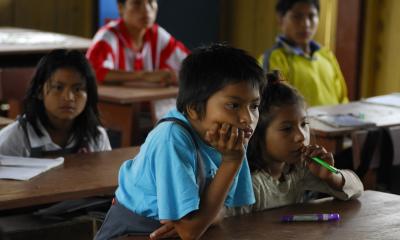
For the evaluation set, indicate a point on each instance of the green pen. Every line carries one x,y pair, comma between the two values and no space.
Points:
325,165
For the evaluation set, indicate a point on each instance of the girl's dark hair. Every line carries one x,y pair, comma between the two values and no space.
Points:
275,95
85,127
209,69
283,6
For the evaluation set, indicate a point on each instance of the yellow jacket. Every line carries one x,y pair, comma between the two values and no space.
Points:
318,77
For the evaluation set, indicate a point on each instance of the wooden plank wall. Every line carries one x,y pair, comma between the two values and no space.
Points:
75,17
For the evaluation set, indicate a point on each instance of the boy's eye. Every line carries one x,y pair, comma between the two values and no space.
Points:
286,129
305,124
297,16
232,105
255,106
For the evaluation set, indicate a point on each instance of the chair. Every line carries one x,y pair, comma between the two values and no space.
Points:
13,85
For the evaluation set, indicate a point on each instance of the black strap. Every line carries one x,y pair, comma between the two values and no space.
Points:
200,177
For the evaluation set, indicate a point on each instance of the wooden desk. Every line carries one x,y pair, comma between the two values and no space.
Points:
332,138
82,175
19,46
373,216
5,121
120,108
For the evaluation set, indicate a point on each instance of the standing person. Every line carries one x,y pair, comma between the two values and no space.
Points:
194,162
279,155
135,48
310,68
60,113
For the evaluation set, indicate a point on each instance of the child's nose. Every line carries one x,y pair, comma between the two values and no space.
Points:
300,135
246,116
68,94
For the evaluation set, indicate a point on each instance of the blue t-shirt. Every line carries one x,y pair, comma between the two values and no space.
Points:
160,182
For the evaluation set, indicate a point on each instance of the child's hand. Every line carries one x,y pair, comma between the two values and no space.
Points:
228,140
315,168
162,77
167,230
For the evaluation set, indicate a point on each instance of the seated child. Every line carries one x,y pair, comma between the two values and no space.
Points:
134,48
312,69
279,154
201,146
60,113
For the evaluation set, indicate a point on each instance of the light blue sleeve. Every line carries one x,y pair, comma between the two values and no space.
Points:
241,192
175,174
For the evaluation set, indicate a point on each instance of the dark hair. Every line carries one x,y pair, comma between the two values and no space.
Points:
275,95
209,69
124,1
283,6
85,125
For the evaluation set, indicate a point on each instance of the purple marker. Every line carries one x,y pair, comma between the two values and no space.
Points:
311,217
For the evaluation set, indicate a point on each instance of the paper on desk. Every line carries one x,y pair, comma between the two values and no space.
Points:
392,99
22,168
344,120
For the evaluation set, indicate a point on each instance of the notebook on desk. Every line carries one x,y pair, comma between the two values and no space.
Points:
22,168
344,120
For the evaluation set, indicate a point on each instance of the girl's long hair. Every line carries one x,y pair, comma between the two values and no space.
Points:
275,95
85,126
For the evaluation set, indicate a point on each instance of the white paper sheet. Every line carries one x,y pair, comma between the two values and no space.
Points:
22,168
392,99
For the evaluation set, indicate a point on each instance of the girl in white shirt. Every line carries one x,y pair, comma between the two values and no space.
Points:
60,113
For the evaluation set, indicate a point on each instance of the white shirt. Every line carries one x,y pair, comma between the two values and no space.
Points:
272,193
13,140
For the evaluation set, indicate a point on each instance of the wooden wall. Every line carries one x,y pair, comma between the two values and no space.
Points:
75,17
252,24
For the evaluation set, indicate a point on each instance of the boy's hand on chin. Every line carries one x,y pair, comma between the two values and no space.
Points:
228,140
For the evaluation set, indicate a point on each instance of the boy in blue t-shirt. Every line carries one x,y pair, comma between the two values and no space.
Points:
192,165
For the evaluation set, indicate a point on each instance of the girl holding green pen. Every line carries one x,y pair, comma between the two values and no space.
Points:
283,163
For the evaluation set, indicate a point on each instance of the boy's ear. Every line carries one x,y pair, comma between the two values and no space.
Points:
120,8
192,113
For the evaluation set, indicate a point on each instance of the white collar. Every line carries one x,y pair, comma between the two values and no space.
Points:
44,140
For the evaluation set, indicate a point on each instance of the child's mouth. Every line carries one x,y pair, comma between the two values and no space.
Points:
247,132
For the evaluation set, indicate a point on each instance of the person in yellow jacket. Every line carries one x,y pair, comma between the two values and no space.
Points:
311,69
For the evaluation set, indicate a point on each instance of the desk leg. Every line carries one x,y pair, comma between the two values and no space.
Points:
123,118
